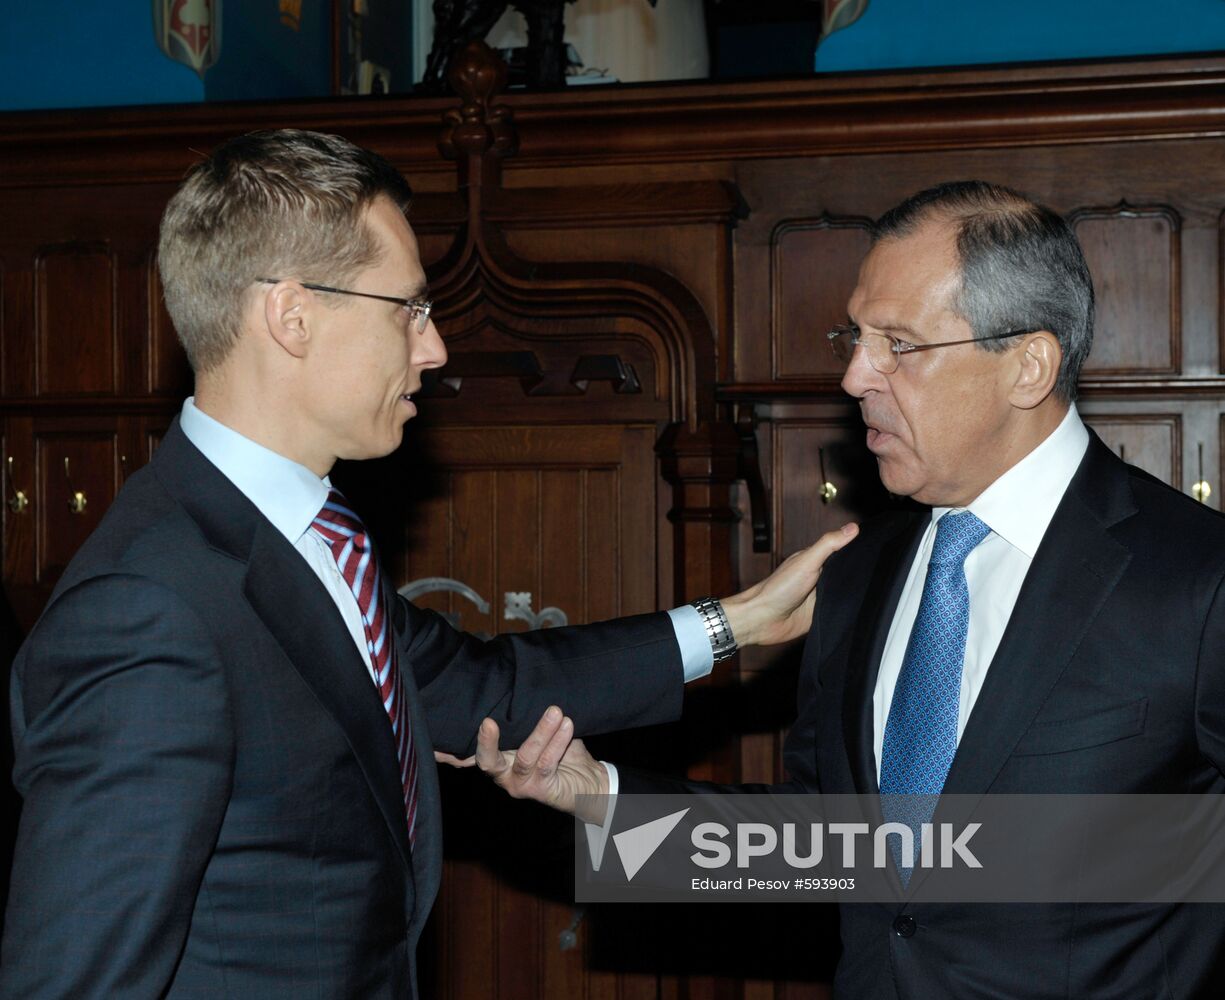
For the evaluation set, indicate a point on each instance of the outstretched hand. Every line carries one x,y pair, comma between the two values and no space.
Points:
554,768
551,766
779,608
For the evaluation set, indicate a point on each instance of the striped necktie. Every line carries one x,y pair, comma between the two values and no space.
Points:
353,551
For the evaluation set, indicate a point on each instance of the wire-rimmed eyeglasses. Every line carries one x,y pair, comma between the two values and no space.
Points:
419,309
885,350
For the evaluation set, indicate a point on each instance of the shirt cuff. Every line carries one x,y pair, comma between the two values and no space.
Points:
597,836
697,657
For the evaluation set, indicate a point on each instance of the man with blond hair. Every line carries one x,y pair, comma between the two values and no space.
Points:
225,719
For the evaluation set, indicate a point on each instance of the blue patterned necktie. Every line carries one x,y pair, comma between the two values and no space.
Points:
921,730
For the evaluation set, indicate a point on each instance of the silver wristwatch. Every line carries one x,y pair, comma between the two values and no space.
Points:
722,642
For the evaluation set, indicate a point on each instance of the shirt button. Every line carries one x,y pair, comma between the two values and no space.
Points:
904,926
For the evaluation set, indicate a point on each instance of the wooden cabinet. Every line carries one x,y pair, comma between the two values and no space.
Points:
80,360
67,468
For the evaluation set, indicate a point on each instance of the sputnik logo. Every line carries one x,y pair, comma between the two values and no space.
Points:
635,846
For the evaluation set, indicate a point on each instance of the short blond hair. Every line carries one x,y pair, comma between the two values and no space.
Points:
280,204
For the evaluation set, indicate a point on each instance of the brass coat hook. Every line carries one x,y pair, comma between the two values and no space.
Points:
18,502
828,490
78,500
1201,489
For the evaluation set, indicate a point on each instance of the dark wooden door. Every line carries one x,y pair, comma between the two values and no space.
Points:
561,519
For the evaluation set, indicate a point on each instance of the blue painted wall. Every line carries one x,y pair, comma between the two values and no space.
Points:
71,54
893,34
87,53
263,58
91,53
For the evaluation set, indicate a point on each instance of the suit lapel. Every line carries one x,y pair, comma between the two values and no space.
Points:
867,645
302,618
427,848
1074,571
297,611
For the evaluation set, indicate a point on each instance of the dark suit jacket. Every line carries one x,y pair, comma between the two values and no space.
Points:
1110,678
212,799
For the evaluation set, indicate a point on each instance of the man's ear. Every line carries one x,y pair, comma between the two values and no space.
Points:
1038,362
286,314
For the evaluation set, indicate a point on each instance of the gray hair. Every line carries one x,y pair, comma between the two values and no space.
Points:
1022,267
278,204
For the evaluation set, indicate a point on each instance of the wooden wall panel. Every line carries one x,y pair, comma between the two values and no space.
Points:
76,316
814,267
152,437
692,253
78,313
17,325
800,449
471,523
1133,254
527,368
516,531
4,343
93,470
643,585
603,497
1153,249
470,934
563,517
1148,440
19,534
516,544
800,445
433,545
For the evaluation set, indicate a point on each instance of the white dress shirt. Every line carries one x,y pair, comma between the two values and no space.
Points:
290,496
1017,508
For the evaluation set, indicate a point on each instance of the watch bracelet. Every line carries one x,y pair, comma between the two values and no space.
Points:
718,630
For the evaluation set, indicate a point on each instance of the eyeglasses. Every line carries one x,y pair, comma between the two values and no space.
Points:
885,351
419,309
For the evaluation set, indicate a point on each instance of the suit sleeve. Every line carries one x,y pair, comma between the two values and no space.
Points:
799,748
606,676
798,756
124,752
845,572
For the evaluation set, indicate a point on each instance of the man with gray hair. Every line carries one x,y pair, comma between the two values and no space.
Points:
225,718
1054,624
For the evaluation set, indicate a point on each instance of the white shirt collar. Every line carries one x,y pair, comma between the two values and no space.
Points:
1020,504
286,493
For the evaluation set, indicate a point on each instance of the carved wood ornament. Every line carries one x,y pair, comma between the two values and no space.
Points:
557,328
481,286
